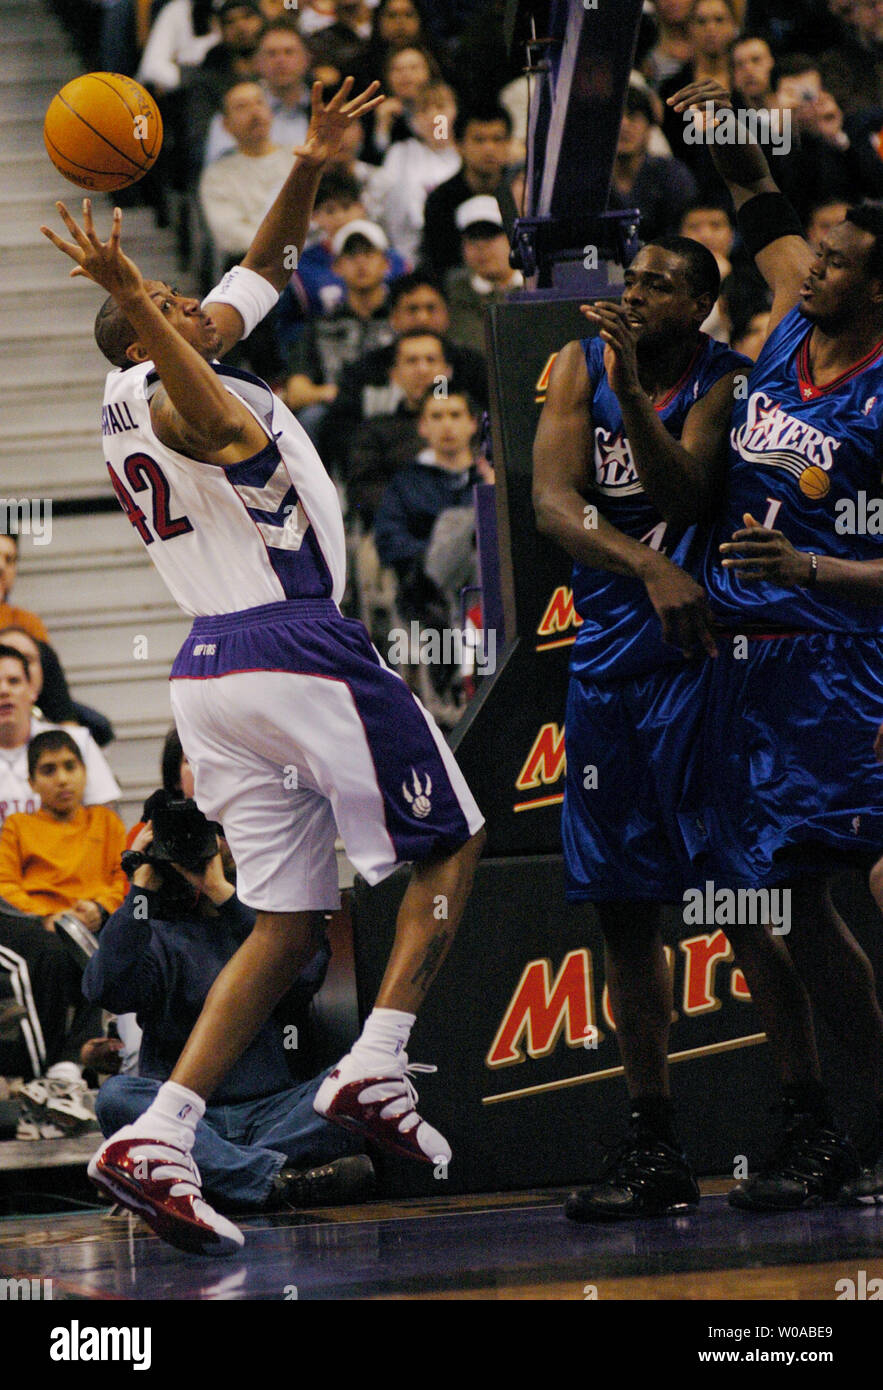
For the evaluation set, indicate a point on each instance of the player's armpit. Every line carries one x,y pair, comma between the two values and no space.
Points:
243,438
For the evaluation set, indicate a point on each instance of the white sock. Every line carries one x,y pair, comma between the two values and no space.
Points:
383,1039
172,1116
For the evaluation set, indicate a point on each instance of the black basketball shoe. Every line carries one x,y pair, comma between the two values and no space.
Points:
342,1182
645,1177
811,1164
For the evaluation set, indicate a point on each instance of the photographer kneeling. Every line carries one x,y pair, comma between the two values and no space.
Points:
261,1143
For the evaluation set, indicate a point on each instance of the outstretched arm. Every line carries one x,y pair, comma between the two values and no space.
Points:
562,448
741,163
208,419
280,238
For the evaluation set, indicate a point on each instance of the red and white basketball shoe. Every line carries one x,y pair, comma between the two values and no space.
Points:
161,1183
381,1107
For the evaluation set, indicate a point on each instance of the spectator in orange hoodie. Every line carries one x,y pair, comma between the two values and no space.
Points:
66,856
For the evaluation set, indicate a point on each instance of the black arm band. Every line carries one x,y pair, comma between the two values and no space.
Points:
765,218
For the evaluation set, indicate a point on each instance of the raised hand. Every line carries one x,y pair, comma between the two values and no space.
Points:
696,94
328,123
100,261
620,354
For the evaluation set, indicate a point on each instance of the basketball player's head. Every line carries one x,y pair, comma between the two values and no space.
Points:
670,288
118,341
845,280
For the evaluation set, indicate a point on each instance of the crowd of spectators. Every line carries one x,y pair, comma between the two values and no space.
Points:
378,344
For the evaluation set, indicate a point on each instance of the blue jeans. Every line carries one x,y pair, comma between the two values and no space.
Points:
239,1149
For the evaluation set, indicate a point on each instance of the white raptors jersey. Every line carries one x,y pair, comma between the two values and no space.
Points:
225,539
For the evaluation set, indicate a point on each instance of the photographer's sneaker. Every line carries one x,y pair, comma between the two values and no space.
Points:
57,1103
161,1183
341,1182
381,1107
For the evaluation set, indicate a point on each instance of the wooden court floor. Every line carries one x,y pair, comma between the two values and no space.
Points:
512,1246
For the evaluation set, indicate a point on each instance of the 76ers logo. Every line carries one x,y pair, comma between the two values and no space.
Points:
615,473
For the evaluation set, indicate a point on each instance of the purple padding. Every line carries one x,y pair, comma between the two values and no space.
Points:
489,560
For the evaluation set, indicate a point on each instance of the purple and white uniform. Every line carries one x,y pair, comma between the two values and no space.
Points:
294,726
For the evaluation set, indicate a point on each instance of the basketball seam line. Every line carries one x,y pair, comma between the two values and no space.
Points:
143,168
98,77
87,168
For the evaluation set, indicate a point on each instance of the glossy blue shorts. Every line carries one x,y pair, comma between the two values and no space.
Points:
632,746
788,783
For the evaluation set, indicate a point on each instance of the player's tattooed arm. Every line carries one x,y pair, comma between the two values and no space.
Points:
563,451
238,438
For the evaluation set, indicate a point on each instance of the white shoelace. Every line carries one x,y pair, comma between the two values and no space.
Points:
178,1168
401,1094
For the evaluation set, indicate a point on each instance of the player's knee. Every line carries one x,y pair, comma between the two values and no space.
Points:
875,883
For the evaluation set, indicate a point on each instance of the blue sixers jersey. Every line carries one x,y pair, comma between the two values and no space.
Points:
620,635
805,461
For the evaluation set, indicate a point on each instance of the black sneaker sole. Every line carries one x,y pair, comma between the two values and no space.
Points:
597,1216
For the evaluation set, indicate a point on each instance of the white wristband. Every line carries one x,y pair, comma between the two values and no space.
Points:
246,291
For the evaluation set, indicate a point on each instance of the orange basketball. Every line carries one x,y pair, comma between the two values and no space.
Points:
103,131
814,482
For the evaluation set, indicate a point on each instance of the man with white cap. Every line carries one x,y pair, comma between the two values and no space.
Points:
486,275
359,323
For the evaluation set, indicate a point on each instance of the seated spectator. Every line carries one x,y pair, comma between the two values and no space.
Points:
159,956
360,322
406,71
9,615
237,189
181,35
674,47
486,277
18,726
711,29
385,443
852,63
441,477
822,218
314,287
713,226
752,63
412,168
281,61
338,48
397,24
235,193
65,857
661,188
826,160
745,299
366,388
483,144
312,15
50,687
749,336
